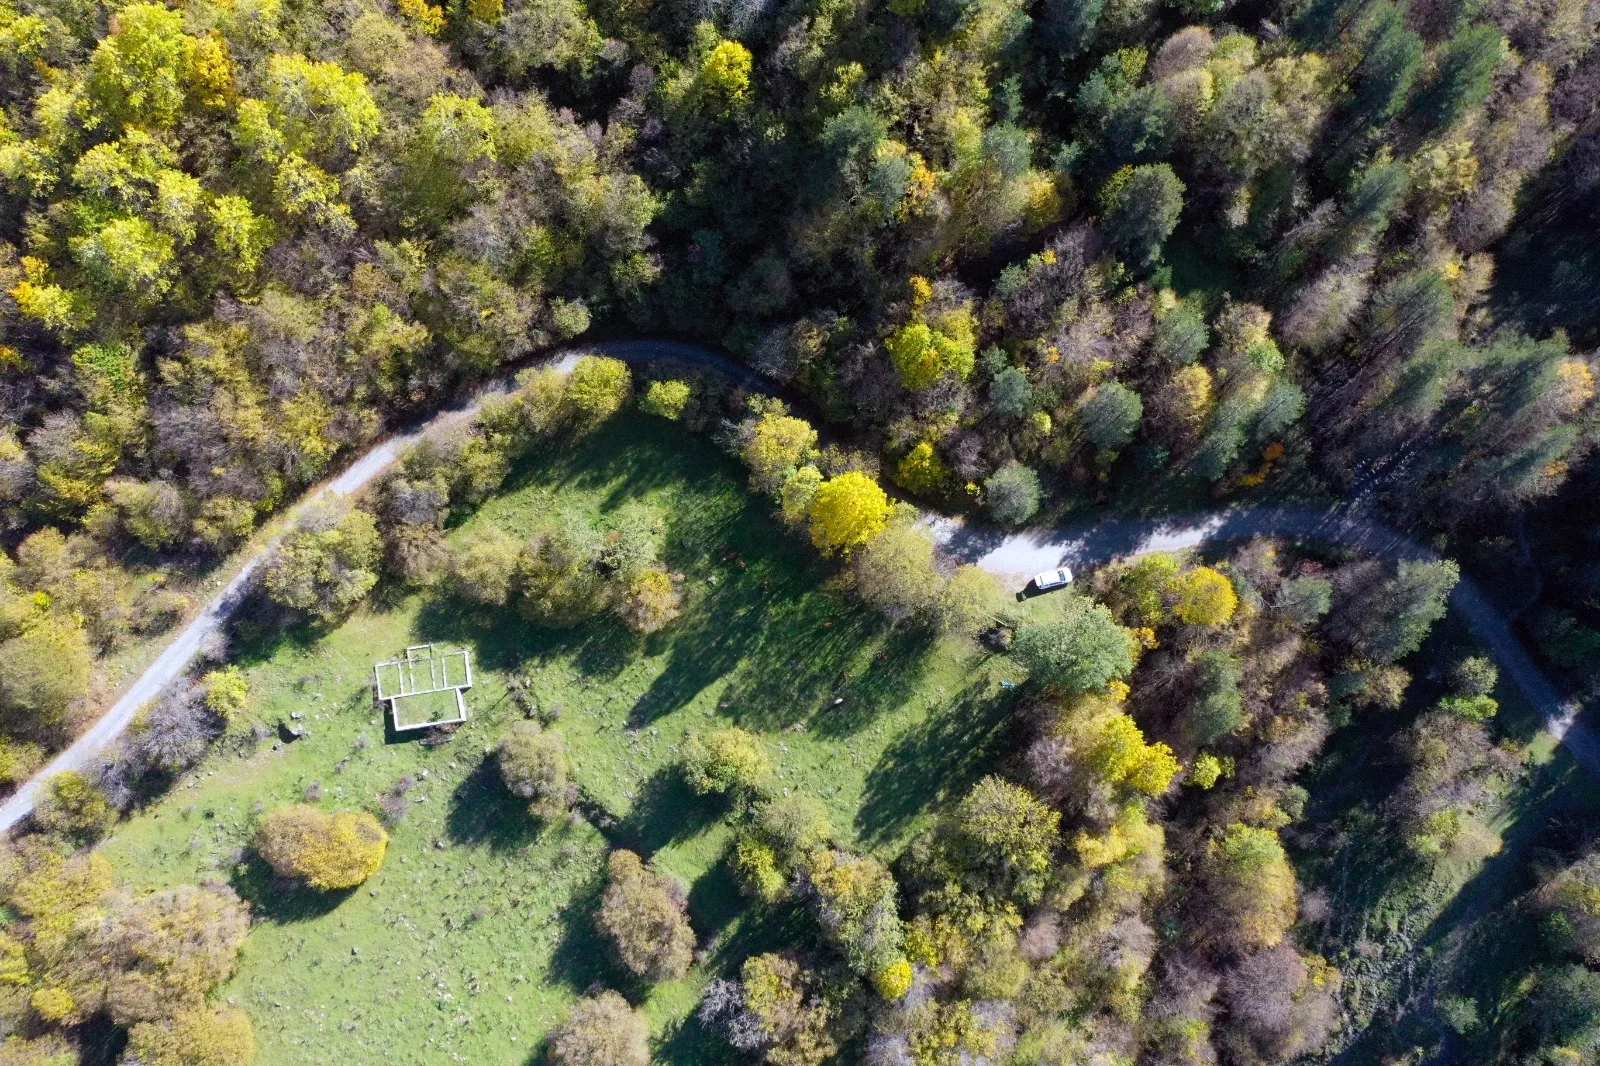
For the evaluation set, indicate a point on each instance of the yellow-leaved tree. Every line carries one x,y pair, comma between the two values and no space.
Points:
848,511
326,851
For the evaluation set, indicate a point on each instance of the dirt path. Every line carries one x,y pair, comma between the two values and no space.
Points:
1000,553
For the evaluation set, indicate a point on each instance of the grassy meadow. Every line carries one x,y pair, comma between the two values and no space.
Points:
475,936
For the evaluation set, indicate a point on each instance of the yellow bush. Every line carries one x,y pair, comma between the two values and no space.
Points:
894,980
52,1004
1204,598
325,851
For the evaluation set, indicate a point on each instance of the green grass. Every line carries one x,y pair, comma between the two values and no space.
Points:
475,936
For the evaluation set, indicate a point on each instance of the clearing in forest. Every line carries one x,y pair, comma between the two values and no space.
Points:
476,935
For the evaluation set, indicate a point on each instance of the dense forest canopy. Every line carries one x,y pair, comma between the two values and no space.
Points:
1028,256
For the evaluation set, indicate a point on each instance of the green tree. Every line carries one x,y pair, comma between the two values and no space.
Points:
598,388
1252,884
484,565
47,671
773,445
1304,600
73,806
1012,393
1463,75
666,399
895,572
327,566
1012,494
533,765
1139,210
1080,651
1181,334
1389,63
970,601
1109,414
1002,841
1219,706
137,72
855,901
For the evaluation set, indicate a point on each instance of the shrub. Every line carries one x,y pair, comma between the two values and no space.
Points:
651,602
601,1030
194,1038
483,566
533,764
73,807
1012,494
666,399
597,389
326,567
645,924
724,760
226,691
325,851
18,761
755,868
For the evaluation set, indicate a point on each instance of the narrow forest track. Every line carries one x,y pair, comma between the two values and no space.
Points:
1008,554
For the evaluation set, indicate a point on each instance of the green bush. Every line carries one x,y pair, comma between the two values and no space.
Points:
725,760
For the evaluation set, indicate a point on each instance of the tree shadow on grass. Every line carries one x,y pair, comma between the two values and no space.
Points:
259,628
484,813
715,900
503,640
583,955
279,899
666,812
937,761
786,647
691,1044
890,677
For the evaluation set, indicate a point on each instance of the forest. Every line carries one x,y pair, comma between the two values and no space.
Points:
1023,263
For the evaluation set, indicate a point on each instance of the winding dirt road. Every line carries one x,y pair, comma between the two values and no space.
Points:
1008,554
